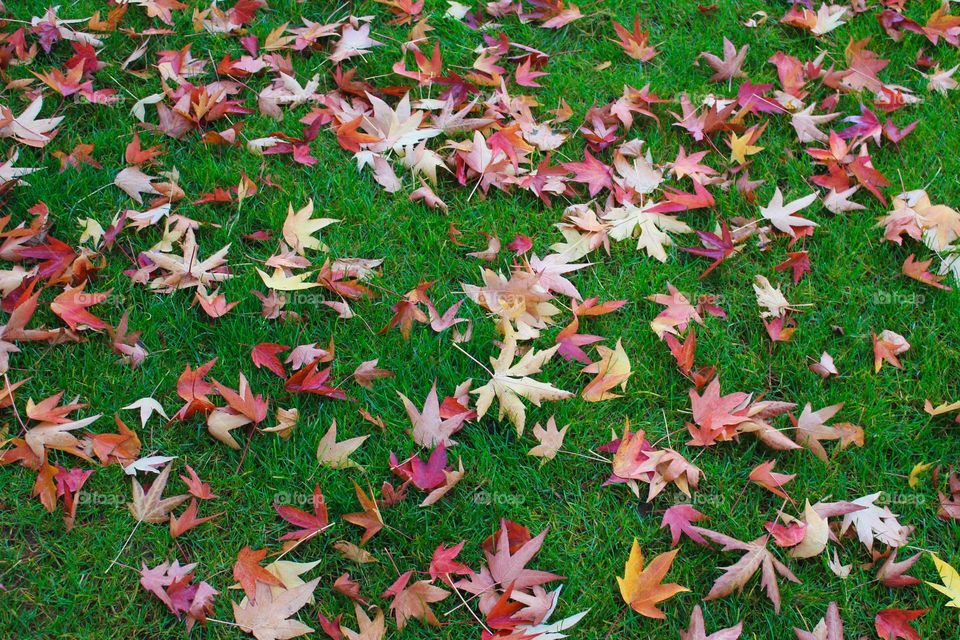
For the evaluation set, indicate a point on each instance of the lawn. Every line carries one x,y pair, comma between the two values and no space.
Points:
84,582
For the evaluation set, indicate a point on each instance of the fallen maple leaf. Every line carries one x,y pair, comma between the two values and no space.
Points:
122,447
886,347
195,486
719,247
336,455
71,307
507,552
816,534
299,227
443,564
805,123
892,624
281,281
147,406
635,43
756,557
135,182
353,553
717,416
370,518
642,588
414,601
783,215
193,388
918,270
829,628
248,572
611,370
729,66
429,428
264,354
591,172
147,464
288,573
151,506
743,146
510,381
188,520
874,522
950,579
550,440
308,524
680,519
368,629
812,429
697,629
825,366
891,572
367,372
27,128
773,482
267,616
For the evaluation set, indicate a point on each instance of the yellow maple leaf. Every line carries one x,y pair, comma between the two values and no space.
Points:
641,587
281,282
950,579
741,147
919,468
612,370
299,227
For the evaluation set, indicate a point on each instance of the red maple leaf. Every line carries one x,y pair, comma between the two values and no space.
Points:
591,172
309,524
717,247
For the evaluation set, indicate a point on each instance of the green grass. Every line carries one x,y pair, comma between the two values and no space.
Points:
61,584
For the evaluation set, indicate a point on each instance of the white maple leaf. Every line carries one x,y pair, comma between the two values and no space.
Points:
551,270
139,109
147,406
510,382
650,228
148,464
829,17
941,80
770,298
875,522
547,630
286,90
56,435
396,128
782,215
637,173
805,124
839,201
134,182
9,172
355,41
27,128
